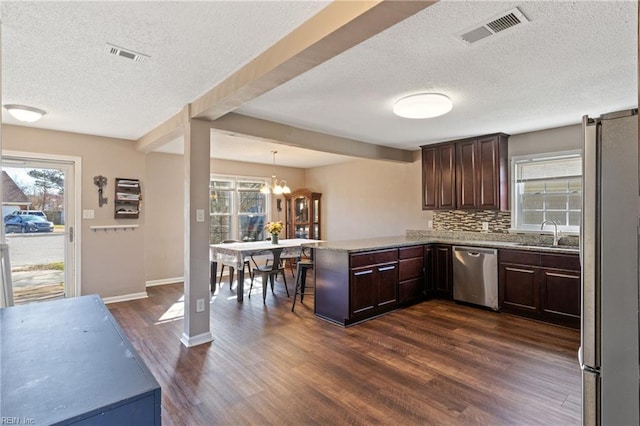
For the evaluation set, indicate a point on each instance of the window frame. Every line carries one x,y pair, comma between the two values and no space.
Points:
235,190
516,209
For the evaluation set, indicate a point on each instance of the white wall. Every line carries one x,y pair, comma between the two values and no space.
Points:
369,198
112,262
551,140
164,245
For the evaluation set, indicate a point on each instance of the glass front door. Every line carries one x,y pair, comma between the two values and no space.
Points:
38,219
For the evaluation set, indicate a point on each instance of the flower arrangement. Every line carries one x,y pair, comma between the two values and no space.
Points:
274,227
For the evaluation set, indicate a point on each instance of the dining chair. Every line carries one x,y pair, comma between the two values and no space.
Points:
269,271
304,264
246,264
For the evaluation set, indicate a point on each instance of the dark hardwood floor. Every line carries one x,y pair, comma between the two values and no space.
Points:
433,363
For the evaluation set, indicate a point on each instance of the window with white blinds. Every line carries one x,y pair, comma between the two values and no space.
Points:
547,187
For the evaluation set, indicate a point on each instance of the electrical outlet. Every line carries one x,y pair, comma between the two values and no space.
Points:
485,226
199,215
200,305
430,224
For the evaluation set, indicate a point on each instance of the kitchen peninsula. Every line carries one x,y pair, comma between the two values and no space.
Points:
358,280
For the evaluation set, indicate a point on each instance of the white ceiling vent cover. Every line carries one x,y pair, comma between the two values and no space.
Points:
126,53
491,26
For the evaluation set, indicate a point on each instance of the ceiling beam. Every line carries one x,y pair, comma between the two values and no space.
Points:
165,132
293,136
336,28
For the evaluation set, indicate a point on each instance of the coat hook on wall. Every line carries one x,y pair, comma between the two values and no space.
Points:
100,181
114,228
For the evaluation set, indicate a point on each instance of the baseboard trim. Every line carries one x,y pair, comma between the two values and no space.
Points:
125,297
196,340
152,283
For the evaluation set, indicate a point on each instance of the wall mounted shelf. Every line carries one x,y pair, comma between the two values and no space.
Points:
127,199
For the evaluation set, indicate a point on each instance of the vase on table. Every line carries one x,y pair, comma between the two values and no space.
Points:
274,238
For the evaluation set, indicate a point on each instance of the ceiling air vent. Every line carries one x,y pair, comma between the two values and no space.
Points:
491,26
126,53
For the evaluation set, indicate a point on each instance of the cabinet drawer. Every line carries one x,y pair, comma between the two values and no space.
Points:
411,290
519,256
409,252
411,268
569,262
373,257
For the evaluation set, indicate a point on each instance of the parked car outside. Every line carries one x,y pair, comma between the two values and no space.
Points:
27,223
26,212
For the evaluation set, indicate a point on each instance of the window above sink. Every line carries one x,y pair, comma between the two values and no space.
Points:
547,187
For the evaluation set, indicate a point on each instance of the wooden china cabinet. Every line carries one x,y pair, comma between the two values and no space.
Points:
302,214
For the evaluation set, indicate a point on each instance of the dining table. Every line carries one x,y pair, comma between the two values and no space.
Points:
234,254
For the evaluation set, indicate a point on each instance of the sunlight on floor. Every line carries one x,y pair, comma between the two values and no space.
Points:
175,312
257,289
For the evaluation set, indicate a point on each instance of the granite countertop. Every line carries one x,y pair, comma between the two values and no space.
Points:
368,244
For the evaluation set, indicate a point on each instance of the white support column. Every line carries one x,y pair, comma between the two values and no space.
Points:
196,233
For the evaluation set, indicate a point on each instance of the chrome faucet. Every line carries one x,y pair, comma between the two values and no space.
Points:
555,231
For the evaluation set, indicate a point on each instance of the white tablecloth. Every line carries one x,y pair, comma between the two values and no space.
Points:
233,254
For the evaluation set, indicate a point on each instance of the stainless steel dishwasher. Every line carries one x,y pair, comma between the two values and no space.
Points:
475,276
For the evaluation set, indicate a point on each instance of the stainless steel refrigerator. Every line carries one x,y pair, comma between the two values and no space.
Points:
609,355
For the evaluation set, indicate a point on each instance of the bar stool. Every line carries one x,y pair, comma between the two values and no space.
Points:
302,267
289,258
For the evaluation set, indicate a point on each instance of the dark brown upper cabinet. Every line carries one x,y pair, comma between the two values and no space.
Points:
466,174
439,177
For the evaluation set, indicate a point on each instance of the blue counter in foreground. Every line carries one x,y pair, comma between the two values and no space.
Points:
68,362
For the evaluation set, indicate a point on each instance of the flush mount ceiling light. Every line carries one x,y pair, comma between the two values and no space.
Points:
423,105
25,113
277,188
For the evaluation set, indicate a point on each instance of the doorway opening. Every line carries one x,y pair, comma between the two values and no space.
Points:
39,210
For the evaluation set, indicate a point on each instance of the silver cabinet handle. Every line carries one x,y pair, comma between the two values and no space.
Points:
386,268
364,272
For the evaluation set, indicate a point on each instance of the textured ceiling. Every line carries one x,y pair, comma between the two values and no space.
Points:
573,58
54,57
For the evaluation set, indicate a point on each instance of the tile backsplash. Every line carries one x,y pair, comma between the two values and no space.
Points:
467,224
471,220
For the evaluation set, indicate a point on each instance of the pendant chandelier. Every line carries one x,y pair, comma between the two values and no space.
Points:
277,188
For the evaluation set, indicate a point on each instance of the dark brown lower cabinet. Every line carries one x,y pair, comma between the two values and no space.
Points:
411,269
442,271
373,287
352,287
373,283
363,297
519,282
429,283
560,289
538,285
